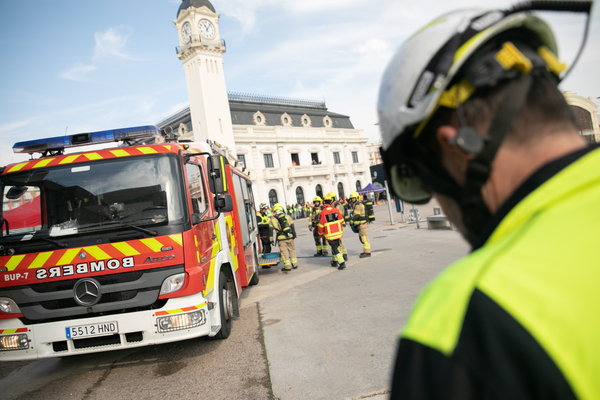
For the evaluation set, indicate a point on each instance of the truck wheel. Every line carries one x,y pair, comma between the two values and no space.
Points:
225,307
254,280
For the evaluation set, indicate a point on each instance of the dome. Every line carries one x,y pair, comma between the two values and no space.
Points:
195,3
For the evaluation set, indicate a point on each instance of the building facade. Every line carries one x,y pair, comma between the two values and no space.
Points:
586,116
374,152
293,150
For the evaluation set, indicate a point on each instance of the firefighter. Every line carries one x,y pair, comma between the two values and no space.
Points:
285,233
491,137
360,222
264,229
340,206
331,226
313,223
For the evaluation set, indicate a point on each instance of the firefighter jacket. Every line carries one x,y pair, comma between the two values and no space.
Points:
359,215
315,216
283,226
518,317
341,207
264,228
331,223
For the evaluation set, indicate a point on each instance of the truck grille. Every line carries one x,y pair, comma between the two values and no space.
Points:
128,291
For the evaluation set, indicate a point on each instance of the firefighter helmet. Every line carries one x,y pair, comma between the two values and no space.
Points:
277,207
354,195
317,198
263,205
331,196
327,198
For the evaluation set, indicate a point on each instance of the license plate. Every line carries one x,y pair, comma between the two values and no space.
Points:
102,329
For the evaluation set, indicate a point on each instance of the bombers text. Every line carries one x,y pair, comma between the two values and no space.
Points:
84,268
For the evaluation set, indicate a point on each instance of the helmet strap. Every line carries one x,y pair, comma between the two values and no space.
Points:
475,212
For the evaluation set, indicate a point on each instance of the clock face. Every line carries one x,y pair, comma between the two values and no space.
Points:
207,29
186,32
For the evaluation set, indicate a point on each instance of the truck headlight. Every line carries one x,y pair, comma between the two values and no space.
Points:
172,284
14,342
181,321
8,306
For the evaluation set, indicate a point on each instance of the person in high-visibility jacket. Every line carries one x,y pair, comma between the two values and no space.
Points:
360,222
331,226
313,225
341,208
264,228
285,233
470,113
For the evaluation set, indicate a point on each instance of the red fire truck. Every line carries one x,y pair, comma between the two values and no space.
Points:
123,247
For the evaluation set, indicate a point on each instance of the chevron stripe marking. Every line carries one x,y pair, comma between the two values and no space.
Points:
93,156
18,167
153,244
97,252
180,310
43,163
69,159
41,259
147,150
68,257
120,153
177,239
14,261
126,249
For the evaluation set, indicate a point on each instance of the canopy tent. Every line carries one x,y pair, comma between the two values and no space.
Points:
370,188
26,216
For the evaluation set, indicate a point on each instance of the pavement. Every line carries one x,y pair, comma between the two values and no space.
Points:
314,333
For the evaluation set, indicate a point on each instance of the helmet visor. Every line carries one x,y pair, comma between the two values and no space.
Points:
407,186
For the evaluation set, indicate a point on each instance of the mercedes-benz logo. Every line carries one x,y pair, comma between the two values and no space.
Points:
87,292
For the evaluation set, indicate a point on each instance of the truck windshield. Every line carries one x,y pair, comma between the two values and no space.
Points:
71,199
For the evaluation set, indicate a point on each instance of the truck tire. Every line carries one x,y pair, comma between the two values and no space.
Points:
255,278
225,307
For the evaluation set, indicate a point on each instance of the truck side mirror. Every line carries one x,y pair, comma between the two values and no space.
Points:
217,180
223,203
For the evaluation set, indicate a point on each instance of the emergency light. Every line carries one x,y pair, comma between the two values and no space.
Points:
84,139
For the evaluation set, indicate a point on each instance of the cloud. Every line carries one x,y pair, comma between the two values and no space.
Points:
7,128
109,45
79,72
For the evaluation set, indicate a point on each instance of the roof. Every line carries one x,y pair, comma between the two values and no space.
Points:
185,4
244,106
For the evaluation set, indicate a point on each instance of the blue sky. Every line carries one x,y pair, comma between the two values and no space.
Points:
69,64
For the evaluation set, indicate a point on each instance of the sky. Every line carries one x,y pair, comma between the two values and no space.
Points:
81,66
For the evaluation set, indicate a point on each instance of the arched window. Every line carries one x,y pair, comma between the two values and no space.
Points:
358,186
272,197
299,195
584,123
319,191
341,191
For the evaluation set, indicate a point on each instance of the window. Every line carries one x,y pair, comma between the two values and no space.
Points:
319,191
299,195
268,160
272,197
336,157
358,186
341,191
315,158
242,160
355,157
196,188
295,159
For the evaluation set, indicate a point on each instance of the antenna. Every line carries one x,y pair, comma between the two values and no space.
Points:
66,129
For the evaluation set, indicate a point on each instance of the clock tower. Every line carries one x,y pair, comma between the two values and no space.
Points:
201,51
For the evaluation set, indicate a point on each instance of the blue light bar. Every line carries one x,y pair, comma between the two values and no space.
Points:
84,139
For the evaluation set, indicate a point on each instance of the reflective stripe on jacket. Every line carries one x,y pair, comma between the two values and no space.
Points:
330,224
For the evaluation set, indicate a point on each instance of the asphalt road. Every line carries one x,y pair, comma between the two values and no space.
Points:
315,333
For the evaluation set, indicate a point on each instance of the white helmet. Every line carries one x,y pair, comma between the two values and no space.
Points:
442,65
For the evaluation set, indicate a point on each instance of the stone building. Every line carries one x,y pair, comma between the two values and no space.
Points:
586,116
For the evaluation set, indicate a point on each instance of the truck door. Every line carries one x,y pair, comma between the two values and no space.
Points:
207,241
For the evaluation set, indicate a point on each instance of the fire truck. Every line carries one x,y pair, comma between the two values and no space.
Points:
121,247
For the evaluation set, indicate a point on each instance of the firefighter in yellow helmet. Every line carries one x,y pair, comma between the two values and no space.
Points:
341,208
331,226
285,233
264,228
313,223
360,223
